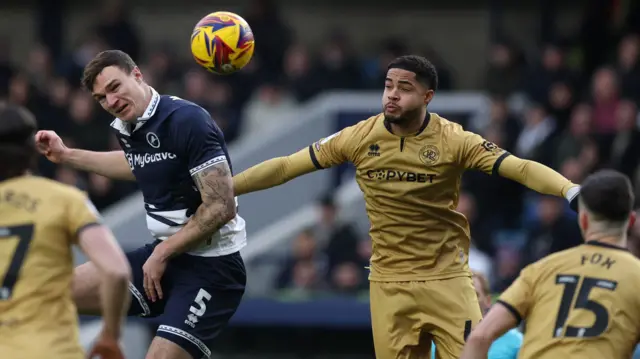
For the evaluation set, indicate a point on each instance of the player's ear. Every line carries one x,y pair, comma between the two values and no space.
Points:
137,74
632,219
583,221
428,96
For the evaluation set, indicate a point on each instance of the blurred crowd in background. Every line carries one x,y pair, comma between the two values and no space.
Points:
582,93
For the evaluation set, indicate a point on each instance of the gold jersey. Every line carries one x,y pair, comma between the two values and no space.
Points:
578,303
39,222
411,186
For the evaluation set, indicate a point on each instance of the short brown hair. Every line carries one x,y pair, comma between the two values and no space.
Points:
17,140
608,195
484,282
107,58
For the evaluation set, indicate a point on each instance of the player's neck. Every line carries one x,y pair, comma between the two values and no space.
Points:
411,126
606,238
148,94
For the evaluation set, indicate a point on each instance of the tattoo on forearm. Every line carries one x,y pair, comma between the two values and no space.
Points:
218,205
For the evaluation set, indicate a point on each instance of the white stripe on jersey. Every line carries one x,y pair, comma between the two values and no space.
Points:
207,164
229,239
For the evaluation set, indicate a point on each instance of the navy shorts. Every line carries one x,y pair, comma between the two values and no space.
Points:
200,295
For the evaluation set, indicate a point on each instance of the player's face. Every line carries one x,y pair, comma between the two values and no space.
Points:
403,97
122,95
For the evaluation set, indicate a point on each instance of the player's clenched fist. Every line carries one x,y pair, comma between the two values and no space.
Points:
106,348
51,145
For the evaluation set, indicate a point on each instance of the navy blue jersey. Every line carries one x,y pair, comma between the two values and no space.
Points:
172,142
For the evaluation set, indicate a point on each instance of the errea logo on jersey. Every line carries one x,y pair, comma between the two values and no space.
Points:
141,160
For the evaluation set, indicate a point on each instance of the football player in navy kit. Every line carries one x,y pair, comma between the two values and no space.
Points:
192,276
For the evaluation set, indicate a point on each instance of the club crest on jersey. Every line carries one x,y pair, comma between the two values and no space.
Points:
429,154
490,146
153,140
324,140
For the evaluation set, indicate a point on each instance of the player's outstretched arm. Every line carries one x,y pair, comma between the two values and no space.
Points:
273,172
329,151
111,164
98,243
539,178
497,322
477,153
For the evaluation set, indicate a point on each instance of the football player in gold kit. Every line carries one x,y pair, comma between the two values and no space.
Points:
581,302
40,221
409,164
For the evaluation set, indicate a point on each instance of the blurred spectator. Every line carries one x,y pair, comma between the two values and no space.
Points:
574,139
346,278
6,68
164,69
501,120
553,232
40,67
560,104
88,132
551,70
628,68
478,261
596,32
338,68
271,101
621,150
273,36
388,50
505,71
338,238
297,71
117,30
305,267
605,100
536,135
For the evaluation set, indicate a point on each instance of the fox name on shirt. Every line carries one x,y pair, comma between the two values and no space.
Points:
174,140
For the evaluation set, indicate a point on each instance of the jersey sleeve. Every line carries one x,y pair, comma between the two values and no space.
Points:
517,298
335,149
198,138
81,213
474,152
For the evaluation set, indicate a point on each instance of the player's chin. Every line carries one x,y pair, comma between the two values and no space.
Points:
392,118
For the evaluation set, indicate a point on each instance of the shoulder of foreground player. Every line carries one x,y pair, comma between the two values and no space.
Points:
558,260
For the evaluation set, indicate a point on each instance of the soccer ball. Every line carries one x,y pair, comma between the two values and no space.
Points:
222,42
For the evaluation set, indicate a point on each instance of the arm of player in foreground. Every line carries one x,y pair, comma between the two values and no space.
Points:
112,164
98,243
497,322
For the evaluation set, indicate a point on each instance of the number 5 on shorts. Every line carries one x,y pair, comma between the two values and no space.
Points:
24,234
200,301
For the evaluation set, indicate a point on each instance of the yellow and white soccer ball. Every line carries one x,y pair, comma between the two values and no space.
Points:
222,42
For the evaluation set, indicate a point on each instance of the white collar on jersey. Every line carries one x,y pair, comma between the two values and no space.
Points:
123,126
